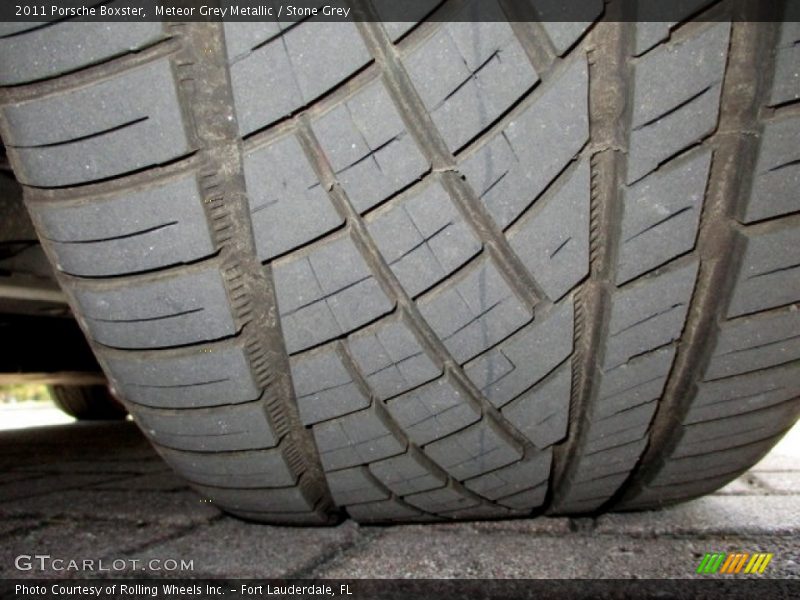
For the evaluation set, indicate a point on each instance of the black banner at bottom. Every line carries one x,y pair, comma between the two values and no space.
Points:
399,589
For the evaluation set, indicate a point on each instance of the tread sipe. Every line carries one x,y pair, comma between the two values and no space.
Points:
413,272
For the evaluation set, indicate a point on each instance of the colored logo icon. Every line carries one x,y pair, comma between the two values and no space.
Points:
733,563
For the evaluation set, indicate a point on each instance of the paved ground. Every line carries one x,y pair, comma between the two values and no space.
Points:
97,491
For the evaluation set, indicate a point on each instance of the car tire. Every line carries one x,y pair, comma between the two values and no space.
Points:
412,273
88,402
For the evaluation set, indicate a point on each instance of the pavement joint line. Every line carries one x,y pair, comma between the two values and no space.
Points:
767,493
26,529
71,488
22,515
90,487
693,535
181,490
26,474
756,471
121,474
365,536
181,531
37,447
184,487
84,518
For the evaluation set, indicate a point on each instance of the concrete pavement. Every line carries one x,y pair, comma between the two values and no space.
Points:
98,491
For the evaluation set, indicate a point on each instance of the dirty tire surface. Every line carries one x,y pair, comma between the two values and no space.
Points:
424,272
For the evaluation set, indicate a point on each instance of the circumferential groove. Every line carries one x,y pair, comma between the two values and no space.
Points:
720,248
227,211
609,111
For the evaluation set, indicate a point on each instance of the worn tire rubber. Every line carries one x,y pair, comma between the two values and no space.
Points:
88,402
458,270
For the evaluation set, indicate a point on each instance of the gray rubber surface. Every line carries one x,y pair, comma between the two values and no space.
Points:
437,271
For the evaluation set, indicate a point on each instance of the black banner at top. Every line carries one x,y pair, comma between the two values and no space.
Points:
17,16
